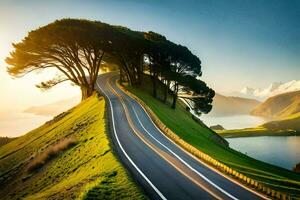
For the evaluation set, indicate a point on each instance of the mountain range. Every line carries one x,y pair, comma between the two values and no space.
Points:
228,105
222,106
272,90
54,108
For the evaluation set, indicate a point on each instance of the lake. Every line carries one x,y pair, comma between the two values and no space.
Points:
234,121
282,151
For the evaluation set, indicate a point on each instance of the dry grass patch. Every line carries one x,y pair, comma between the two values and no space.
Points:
42,158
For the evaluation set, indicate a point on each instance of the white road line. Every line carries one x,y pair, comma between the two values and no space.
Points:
189,153
185,163
130,160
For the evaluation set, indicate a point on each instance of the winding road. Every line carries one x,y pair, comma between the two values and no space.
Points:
162,168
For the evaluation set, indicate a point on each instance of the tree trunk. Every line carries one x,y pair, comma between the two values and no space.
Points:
139,79
121,76
175,96
166,91
86,92
154,87
154,81
174,101
140,70
130,81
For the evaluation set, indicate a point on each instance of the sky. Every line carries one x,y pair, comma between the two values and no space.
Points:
240,42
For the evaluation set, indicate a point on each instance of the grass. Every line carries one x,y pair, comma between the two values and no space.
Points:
82,165
254,132
180,122
291,122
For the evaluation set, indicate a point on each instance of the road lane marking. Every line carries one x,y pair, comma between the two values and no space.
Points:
178,157
151,146
127,156
230,179
197,159
140,135
185,163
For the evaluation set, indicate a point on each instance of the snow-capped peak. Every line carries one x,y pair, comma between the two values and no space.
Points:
273,89
247,90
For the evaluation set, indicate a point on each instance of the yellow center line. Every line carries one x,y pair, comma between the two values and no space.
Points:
156,149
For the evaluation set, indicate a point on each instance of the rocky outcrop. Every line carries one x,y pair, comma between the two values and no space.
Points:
217,127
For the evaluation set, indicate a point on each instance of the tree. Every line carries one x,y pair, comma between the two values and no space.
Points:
78,48
128,52
74,47
196,94
157,53
182,63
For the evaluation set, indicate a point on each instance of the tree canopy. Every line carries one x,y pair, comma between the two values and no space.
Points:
74,47
78,49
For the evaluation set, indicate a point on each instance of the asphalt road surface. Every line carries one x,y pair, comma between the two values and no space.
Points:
163,169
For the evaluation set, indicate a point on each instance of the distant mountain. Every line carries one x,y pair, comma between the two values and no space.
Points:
227,105
5,140
272,90
53,108
280,106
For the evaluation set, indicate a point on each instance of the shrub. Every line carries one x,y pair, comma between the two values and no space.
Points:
297,168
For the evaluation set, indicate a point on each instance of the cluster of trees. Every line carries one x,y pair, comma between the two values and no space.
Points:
78,49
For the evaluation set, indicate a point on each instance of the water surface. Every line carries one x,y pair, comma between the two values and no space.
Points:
283,151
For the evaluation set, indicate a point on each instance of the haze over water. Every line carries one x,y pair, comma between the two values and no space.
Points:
234,121
16,123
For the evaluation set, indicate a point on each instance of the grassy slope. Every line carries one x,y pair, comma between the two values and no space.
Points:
87,170
285,127
182,124
257,131
291,122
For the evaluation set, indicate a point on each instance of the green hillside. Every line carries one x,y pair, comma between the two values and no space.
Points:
181,122
280,106
256,131
69,157
288,123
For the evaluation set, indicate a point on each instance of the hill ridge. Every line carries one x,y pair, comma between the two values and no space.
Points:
232,105
280,106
